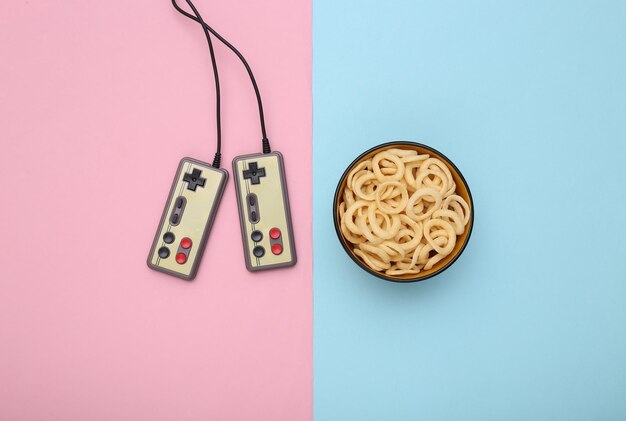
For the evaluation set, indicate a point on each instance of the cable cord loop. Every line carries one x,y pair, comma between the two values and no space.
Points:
265,142
218,155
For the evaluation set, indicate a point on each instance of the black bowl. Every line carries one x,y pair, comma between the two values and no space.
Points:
462,190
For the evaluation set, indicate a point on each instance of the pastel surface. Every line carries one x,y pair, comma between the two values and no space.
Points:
99,104
100,101
527,98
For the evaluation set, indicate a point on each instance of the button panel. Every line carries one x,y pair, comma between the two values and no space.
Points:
177,210
276,242
253,208
184,247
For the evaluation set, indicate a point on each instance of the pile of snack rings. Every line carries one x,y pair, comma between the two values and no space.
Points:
400,212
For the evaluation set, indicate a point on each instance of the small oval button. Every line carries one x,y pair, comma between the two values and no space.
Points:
177,210
277,248
256,236
258,251
274,233
164,252
181,258
169,237
252,204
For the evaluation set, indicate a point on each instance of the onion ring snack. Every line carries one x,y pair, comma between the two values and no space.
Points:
401,211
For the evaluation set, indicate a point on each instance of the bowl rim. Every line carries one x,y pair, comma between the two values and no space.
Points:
336,222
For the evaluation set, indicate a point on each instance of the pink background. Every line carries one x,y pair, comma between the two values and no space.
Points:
98,102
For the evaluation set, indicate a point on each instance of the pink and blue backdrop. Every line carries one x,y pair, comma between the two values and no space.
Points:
99,101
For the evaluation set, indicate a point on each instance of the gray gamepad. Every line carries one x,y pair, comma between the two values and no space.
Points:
264,213
187,218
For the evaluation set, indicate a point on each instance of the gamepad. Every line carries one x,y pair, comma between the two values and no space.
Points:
264,213
187,218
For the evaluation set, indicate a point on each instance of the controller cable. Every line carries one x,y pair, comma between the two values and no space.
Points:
217,160
264,141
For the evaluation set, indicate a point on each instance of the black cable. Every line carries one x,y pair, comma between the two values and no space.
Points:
217,160
265,141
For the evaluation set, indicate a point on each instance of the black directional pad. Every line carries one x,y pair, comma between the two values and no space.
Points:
194,179
254,173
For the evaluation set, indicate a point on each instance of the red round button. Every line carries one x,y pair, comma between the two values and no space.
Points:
274,233
185,243
181,258
277,248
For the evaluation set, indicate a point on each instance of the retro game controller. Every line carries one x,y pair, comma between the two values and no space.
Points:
187,218
264,211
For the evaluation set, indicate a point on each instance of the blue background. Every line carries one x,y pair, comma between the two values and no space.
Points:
529,100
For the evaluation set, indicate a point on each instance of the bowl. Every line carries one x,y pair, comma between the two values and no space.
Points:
462,189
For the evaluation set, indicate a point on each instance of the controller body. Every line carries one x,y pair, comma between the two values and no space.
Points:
264,213
186,222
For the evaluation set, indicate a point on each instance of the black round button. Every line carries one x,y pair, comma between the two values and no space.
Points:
256,236
258,251
164,252
169,237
